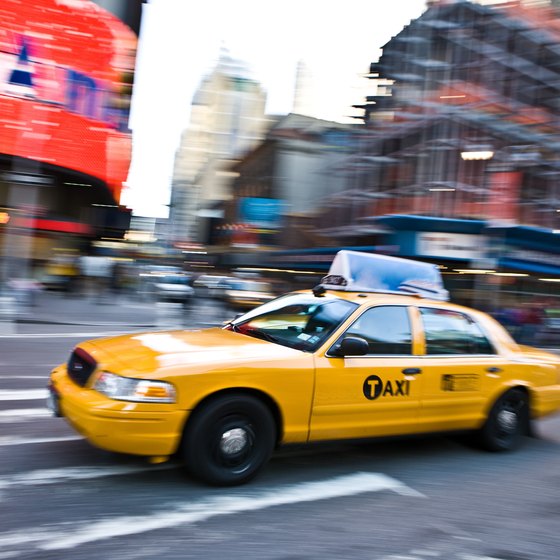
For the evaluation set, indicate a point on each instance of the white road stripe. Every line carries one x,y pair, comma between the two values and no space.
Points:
87,335
23,414
7,441
477,557
47,367
6,555
62,537
23,395
55,476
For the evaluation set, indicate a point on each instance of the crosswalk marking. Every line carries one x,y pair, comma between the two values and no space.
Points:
83,335
23,415
47,367
8,440
67,474
23,395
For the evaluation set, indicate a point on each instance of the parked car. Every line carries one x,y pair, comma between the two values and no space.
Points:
374,350
173,288
60,273
210,285
240,293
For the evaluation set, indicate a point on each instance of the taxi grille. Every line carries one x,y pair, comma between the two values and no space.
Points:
80,366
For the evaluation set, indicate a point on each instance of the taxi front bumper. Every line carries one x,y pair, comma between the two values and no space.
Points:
124,427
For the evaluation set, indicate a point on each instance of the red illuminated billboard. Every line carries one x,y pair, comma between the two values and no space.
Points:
65,75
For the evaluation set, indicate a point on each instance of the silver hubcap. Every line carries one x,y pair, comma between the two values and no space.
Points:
507,420
233,441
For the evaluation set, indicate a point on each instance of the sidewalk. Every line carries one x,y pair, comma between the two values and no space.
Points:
62,309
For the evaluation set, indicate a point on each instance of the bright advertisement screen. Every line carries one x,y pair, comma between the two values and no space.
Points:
65,78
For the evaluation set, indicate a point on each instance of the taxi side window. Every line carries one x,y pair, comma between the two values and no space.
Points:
451,332
386,329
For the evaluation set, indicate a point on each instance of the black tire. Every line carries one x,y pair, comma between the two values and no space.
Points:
221,461
507,422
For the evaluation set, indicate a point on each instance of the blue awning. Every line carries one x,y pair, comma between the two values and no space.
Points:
529,237
539,268
431,223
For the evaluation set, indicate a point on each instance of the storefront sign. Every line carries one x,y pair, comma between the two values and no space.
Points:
263,212
450,245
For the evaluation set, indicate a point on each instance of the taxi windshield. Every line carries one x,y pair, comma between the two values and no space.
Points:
300,321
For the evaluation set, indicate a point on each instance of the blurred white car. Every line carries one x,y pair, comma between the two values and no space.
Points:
173,288
246,294
210,285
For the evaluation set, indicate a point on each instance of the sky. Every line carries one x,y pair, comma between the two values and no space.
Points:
180,42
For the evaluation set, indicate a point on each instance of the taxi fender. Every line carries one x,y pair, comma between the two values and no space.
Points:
504,388
258,393
291,409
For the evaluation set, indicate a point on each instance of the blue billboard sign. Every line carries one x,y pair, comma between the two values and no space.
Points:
263,212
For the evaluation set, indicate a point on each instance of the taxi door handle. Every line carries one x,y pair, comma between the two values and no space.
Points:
493,370
412,371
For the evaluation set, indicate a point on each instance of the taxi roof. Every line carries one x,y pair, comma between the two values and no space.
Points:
389,298
378,297
353,271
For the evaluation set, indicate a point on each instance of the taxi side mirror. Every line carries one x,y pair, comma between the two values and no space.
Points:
351,346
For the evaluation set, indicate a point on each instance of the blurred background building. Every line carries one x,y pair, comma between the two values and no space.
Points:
66,75
453,159
456,161
227,119
128,11
279,185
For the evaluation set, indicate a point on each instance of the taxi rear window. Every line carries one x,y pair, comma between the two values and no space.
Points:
451,332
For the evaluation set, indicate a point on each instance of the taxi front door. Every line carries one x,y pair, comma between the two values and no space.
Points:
373,395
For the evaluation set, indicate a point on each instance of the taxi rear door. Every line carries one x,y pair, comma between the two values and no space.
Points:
375,394
458,359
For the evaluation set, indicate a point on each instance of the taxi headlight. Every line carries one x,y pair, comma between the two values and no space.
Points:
134,390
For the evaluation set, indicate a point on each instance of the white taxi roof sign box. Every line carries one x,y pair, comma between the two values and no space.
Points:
353,271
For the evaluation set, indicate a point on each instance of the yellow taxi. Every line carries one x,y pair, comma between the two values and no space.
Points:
374,350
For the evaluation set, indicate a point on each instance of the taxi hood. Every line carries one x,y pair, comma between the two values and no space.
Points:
202,350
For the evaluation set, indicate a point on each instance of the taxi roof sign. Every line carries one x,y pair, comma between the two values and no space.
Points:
353,271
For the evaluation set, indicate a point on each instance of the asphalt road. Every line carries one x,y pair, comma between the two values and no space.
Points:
403,499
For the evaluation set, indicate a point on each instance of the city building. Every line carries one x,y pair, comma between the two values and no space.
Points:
66,73
282,181
227,119
459,160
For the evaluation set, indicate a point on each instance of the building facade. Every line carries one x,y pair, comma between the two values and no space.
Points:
227,119
65,86
280,184
459,160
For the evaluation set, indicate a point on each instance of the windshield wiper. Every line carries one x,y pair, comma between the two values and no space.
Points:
260,334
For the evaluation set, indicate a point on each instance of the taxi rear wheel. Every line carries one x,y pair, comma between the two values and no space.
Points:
507,422
229,440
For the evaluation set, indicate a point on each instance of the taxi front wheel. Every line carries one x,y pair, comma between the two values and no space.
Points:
507,422
229,440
